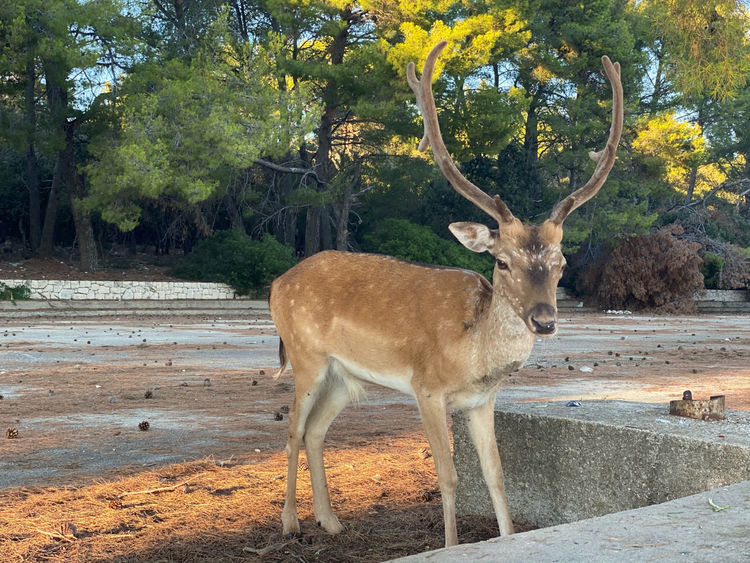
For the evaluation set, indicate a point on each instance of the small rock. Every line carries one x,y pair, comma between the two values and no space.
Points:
278,416
148,394
143,426
207,382
112,399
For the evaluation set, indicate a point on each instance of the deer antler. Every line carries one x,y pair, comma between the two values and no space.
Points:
426,102
604,159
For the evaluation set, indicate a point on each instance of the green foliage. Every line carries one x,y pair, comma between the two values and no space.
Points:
190,96
705,43
190,126
14,293
711,270
403,239
232,257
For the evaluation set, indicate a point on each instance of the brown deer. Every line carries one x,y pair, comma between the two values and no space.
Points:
445,336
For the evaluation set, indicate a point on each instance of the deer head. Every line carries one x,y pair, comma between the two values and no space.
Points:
528,258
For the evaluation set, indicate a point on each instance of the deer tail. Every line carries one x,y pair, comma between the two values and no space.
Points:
282,360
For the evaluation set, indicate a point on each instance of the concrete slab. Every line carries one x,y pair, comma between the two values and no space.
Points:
564,464
41,308
686,529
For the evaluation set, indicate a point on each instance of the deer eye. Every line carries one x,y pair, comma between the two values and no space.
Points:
501,264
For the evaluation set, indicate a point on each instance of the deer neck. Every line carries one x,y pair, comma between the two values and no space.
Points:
502,341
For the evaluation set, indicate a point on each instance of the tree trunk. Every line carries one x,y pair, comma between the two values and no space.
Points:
235,218
345,207
326,236
89,258
57,97
312,230
531,148
691,184
323,164
32,164
64,167
290,228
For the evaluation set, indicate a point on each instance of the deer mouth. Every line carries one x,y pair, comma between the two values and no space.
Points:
543,319
544,328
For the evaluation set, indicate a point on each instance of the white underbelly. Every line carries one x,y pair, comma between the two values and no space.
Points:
400,381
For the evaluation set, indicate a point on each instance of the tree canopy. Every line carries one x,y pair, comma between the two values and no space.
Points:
156,124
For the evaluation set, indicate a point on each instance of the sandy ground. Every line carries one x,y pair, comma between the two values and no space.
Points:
76,390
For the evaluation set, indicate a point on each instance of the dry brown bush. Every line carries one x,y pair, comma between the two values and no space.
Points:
658,272
735,274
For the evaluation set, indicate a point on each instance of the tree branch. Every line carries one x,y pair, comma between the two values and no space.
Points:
287,169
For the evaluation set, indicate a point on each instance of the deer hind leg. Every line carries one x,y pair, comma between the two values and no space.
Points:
333,397
433,413
307,387
481,422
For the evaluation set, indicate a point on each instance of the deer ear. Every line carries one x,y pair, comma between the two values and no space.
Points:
474,236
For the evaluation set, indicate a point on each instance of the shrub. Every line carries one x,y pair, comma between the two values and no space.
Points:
734,272
713,264
232,257
14,293
657,271
403,239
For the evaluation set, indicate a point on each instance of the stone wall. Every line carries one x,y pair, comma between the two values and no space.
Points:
122,290
564,464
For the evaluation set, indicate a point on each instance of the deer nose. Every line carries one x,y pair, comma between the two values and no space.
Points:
543,319
547,327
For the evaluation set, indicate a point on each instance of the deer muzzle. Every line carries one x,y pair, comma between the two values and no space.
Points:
543,319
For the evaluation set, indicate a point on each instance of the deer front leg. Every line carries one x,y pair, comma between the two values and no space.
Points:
481,422
433,412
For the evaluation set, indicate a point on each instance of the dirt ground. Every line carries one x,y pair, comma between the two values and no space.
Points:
206,480
132,268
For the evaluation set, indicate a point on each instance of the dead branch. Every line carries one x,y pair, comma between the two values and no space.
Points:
154,491
59,535
288,169
722,186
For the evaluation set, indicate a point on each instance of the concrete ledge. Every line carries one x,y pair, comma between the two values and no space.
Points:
687,529
38,308
564,464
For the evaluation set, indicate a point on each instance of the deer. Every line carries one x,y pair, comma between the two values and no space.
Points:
446,336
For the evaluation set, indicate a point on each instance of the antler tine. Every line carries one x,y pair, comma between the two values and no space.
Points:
605,158
422,89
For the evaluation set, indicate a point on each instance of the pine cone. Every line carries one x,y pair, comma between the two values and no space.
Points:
68,529
11,433
144,425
